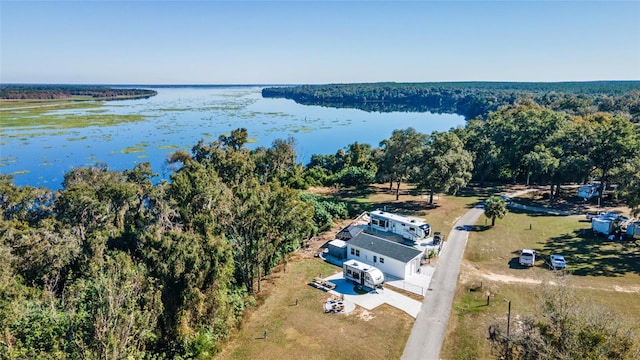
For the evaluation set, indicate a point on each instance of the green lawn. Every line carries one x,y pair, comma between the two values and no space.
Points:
602,272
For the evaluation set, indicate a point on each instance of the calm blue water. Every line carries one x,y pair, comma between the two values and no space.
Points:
177,118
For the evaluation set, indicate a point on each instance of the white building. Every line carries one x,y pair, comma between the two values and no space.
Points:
390,257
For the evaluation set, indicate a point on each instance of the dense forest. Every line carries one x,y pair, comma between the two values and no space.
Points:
471,99
113,266
117,265
57,92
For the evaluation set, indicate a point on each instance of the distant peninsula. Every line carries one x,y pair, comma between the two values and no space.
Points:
70,92
470,99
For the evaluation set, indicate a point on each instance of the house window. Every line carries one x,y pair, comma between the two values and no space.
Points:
352,252
357,252
381,260
383,223
375,258
348,271
374,221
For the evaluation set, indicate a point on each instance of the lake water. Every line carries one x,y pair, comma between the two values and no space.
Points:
178,117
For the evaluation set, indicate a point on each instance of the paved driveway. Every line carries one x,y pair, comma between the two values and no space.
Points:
429,329
374,298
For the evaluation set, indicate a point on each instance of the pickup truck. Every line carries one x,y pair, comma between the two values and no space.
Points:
527,257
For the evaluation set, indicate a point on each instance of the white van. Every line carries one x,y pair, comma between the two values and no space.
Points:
527,257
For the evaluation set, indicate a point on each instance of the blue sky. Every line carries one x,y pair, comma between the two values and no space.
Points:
293,42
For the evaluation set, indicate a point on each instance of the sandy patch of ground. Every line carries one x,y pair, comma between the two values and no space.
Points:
364,314
469,271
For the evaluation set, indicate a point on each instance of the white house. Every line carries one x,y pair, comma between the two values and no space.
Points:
390,257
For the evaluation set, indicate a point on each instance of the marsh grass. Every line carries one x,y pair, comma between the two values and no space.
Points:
33,118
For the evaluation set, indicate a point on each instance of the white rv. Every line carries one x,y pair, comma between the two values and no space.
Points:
409,228
588,191
363,274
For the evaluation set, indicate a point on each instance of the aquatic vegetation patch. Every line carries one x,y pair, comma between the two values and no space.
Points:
175,109
77,138
8,160
132,150
55,118
40,106
302,129
20,172
167,147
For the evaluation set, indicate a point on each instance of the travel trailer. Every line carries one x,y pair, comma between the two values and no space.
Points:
607,223
603,226
633,230
589,191
409,228
363,274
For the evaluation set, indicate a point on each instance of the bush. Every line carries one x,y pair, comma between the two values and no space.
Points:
325,210
355,176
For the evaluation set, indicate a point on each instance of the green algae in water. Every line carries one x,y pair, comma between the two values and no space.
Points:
133,149
167,147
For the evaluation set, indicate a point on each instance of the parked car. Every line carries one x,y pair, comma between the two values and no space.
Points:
437,238
557,262
527,257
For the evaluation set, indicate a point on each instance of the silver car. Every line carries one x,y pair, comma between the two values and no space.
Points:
557,262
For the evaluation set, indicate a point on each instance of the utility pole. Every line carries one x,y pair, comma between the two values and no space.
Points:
508,326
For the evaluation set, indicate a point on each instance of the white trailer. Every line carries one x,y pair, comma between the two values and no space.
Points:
633,230
362,274
588,191
409,228
603,226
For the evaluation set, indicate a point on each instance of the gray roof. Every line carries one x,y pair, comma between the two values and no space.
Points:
384,247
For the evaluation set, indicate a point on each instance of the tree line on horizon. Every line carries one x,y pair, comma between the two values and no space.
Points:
115,265
471,99
57,92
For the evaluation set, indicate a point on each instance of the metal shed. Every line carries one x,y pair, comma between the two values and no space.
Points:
337,248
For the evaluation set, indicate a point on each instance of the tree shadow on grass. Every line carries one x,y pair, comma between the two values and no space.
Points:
532,213
590,255
475,228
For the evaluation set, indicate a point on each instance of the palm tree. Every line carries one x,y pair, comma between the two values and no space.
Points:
495,207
